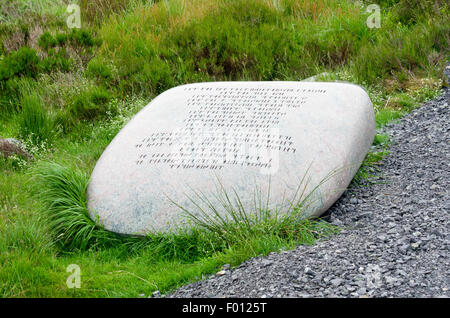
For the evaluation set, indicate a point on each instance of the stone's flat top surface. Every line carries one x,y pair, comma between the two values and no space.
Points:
251,136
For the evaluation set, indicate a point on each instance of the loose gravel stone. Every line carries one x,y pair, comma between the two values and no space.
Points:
396,241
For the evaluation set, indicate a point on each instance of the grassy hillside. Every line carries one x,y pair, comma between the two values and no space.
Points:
65,93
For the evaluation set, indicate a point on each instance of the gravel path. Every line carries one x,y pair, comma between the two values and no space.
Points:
396,241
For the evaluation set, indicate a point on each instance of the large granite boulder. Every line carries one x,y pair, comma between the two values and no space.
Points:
276,139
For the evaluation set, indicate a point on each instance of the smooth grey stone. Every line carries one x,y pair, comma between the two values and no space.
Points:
288,137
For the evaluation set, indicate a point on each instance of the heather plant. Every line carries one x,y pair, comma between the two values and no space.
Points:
91,103
24,62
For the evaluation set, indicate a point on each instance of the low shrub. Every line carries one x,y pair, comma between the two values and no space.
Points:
47,41
61,39
22,67
410,12
91,103
80,41
23,62
399,52
56,60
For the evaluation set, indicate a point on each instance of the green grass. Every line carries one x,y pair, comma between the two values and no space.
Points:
62,193
35,123
66,94
112,265
216,40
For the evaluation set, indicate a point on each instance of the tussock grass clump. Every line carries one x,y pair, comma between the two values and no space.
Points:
34,120
62,190
224,214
